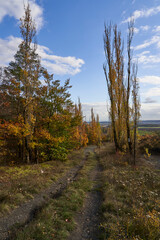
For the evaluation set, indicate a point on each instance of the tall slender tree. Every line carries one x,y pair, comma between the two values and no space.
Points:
110,74
136,110
129,82
119,90
23,74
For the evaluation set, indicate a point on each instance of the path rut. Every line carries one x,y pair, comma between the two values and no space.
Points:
89,218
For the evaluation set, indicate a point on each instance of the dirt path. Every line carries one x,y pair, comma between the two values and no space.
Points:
27,211
88,219
156,160
153,160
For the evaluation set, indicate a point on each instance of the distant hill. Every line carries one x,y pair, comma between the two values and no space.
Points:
140,123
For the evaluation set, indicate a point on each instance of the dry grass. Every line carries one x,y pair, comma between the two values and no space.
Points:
131,198
20,183
56,220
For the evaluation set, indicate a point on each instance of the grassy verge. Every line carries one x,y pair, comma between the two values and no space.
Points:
20,183
131,207
56,220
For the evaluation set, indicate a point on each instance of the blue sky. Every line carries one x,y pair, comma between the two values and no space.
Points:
70,43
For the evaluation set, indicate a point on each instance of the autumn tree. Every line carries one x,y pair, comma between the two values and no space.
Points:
79,137
94,130
136,110
119,89
55,113
23,78
127,91
113,69
37,118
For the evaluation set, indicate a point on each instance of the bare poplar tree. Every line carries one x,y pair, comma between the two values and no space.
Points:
119,68
129,82
114,73
110,74
136,110
119,89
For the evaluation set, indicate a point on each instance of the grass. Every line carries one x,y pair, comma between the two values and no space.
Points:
148,127
20,183
131,207
56,220
145,132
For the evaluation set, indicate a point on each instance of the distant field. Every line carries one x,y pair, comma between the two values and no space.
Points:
151,129
148,130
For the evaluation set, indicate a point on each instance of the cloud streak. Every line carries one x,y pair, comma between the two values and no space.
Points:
55,64
155,80
147,59
16,9
143,13
154,40
142,28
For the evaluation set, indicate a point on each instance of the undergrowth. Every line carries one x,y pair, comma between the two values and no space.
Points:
131,207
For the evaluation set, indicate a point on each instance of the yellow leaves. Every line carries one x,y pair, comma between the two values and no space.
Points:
147,154
17,129
44,134
20,119
14,129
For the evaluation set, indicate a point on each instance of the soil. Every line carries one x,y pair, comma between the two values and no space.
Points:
89,218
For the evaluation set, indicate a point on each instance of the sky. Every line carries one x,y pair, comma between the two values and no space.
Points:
70,43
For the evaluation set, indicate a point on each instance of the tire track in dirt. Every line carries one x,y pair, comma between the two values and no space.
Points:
27,211
89,218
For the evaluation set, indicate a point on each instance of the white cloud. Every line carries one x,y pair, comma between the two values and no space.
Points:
143,13
156,29
99,108
147,59
152,92
145,27
16,9
149,111
55,64
8,48
147,43
150,79
136,30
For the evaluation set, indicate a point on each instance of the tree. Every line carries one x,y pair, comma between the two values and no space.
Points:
21,84
94,130
136,110
129,82
110,74
119,91
25,72
114,73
